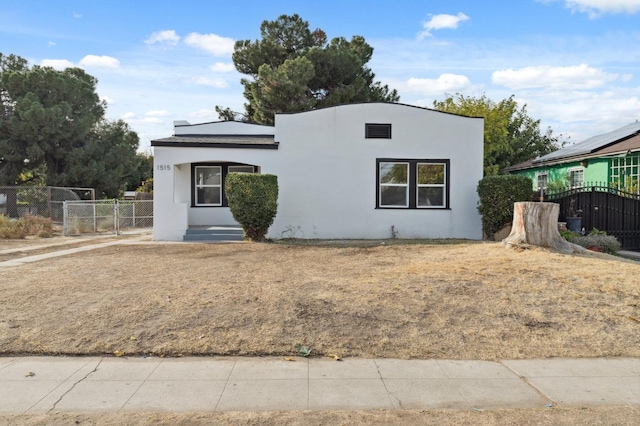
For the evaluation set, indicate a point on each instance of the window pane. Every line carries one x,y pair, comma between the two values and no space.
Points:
393,172
542,181
430,174
240,169
431,197
393,196
208,175
577,178
208,195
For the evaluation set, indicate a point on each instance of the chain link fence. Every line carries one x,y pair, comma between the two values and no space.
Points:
47,201
81,217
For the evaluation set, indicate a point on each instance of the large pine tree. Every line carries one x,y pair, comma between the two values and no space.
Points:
292,68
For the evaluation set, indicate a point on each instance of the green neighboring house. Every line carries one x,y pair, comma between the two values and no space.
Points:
611,159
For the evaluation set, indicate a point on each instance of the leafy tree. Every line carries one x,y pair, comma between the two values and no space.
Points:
226,114
511,136
292,68
105,161
142,173
52,126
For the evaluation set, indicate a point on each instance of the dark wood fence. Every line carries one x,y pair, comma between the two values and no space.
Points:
607,209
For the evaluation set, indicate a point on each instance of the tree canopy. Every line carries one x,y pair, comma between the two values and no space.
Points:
292,68
511,136
52,123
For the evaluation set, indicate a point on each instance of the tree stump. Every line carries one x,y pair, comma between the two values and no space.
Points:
536,224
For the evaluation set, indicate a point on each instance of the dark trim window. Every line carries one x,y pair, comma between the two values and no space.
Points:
377,131
207,183
412,184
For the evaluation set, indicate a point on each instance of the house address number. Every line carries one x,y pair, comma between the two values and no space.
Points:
163,167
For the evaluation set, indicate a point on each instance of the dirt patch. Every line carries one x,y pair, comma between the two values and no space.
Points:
604,416
464,301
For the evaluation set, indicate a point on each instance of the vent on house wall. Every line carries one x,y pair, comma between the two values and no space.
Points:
377,131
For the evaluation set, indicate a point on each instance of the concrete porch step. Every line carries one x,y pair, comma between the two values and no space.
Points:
214,233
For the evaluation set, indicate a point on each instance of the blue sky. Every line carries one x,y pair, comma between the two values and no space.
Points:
575,63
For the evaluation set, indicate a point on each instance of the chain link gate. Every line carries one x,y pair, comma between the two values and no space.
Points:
82,217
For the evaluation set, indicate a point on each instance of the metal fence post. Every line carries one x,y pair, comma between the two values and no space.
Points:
116,216
65,219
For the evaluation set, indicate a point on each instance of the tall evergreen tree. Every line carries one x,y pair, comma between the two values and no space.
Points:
52,122
292,68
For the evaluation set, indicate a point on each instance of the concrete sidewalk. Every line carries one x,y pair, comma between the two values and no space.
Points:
37,385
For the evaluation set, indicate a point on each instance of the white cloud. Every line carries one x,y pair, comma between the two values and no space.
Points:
162,113
59,64
107,99
442,21
77,15
204,114
222,67
52,43
93,61
212,43
128,115
213,82
597,7
565,78
444,84
167,38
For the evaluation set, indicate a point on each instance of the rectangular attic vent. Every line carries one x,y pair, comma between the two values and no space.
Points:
377,131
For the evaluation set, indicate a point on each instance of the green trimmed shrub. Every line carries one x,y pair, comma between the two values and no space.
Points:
253,200
497,195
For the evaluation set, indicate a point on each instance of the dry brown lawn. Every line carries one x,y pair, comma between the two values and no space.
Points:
595,416
453,301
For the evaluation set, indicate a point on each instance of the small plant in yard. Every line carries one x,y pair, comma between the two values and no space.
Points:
599,242
573,212
569,235
25,226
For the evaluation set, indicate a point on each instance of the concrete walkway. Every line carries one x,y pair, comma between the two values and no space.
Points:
37,385
111,241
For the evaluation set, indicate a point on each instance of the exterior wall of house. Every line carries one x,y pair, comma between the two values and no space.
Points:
172,202
221,128
327,175
327,172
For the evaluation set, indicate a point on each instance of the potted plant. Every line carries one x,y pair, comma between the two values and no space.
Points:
573,219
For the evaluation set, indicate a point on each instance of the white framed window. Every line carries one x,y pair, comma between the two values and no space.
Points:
431,185
625,172
208,186
576,177
241,169
394,184
207,183
542,180
412,183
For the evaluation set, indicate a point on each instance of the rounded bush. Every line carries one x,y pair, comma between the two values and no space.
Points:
253,201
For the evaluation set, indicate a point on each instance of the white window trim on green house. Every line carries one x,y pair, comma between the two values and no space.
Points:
576,177
541,181
625,171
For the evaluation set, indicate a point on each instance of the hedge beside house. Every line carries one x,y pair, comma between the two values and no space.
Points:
497,196
253,201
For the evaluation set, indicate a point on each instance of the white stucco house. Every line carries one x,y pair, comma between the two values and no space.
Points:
369,170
